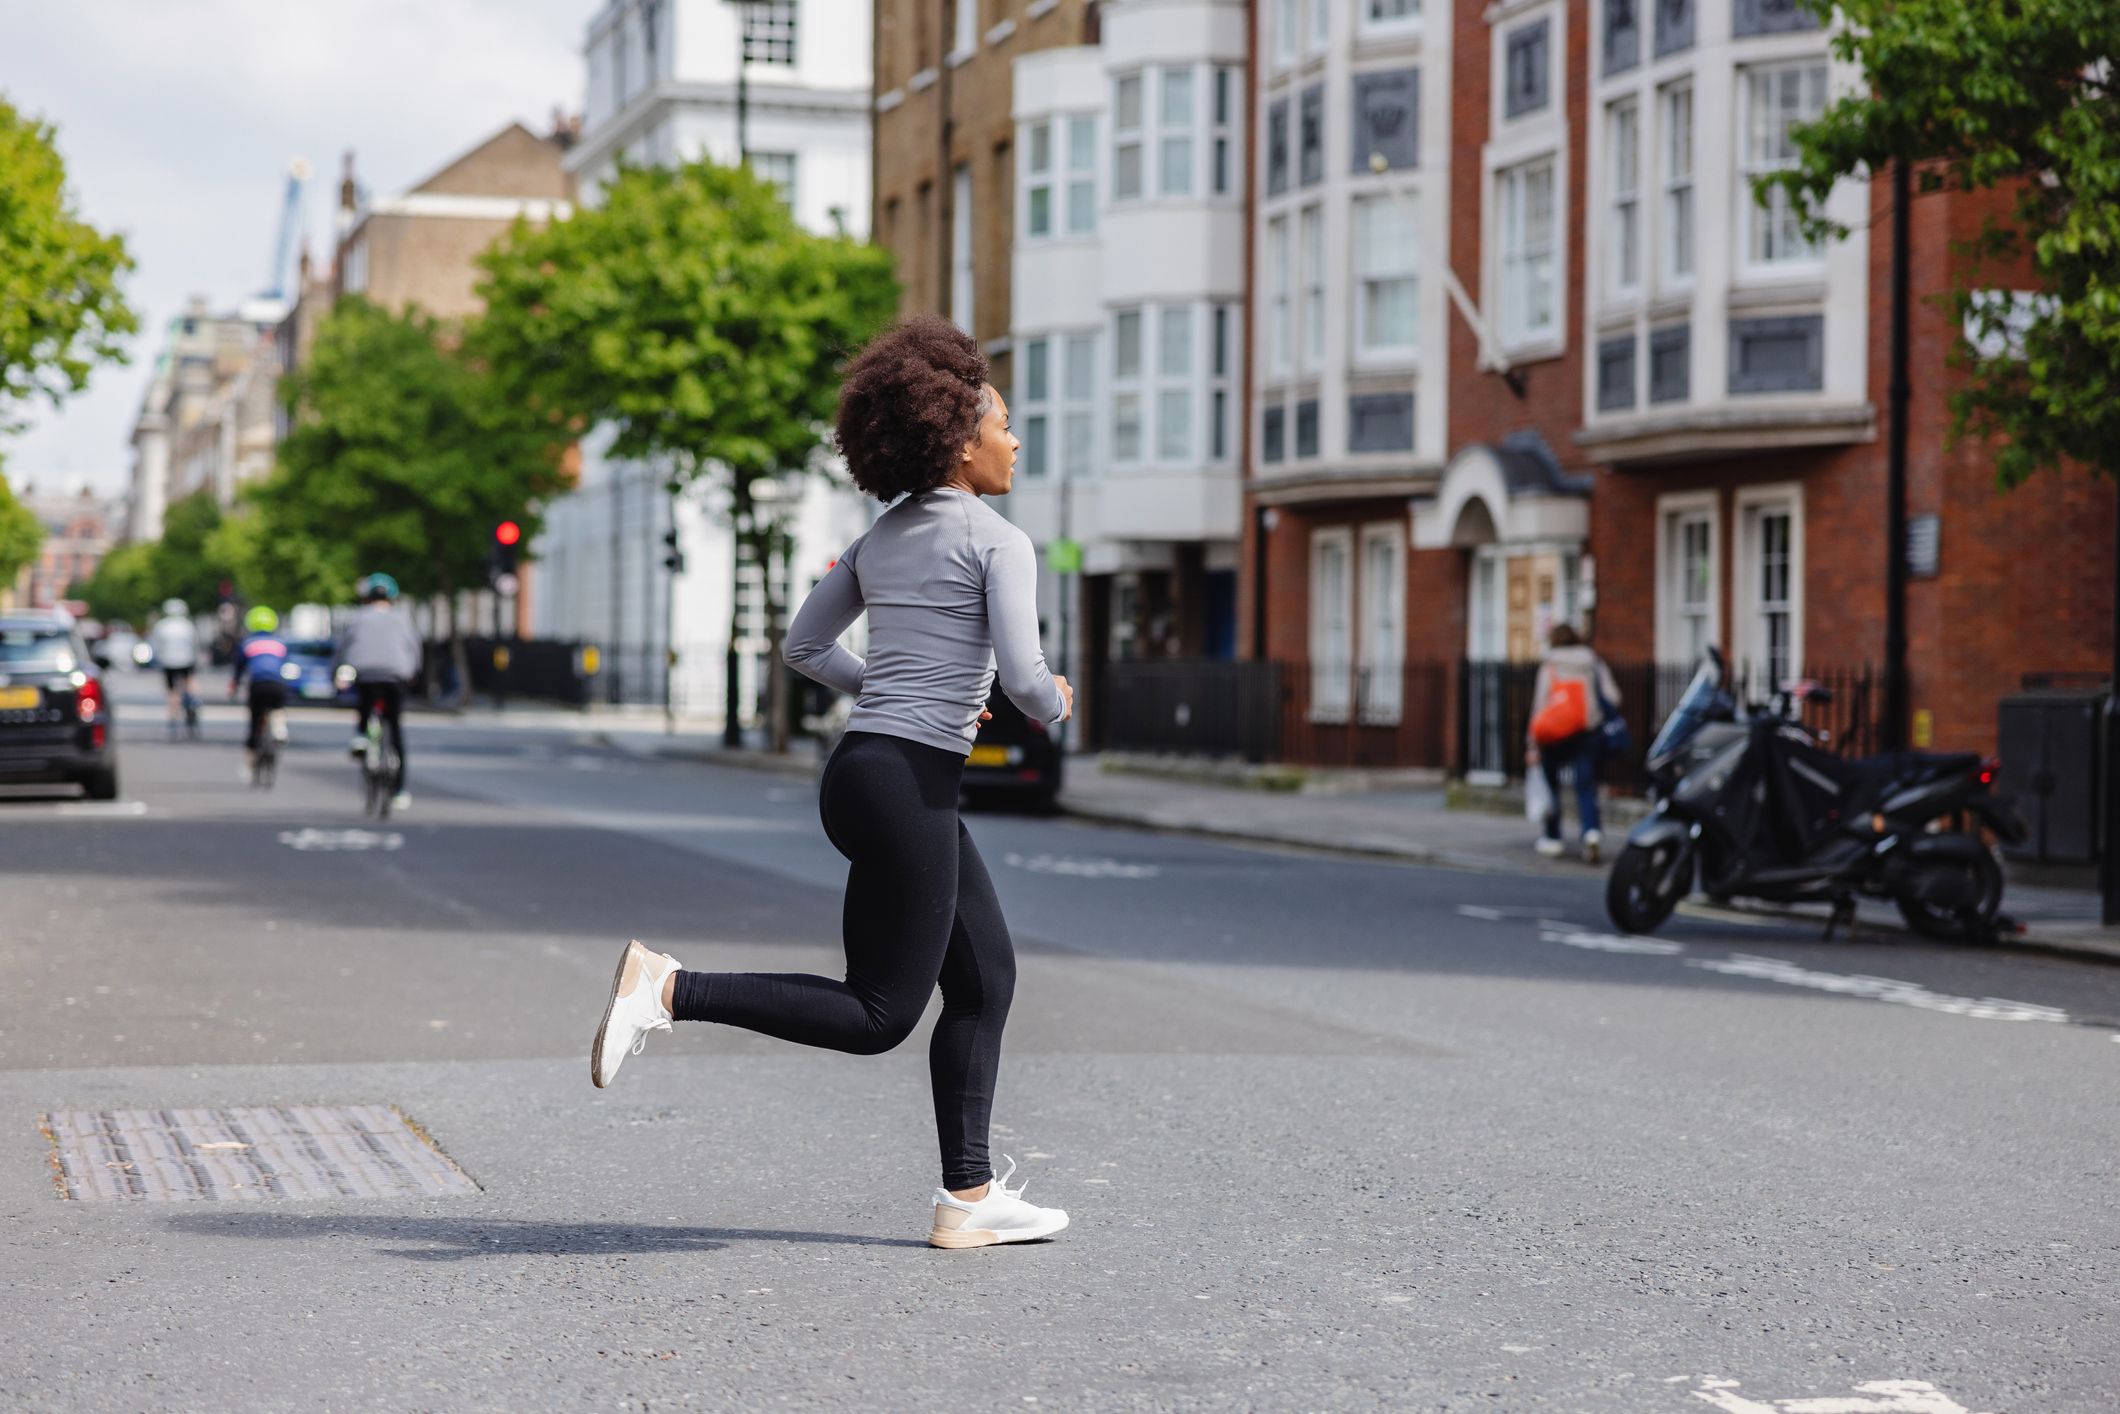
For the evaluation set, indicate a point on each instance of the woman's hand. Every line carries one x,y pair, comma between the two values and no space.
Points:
1067,697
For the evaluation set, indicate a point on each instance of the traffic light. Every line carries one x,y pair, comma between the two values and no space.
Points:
673,558
501,557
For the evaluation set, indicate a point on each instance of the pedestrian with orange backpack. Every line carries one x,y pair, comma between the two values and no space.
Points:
1577,702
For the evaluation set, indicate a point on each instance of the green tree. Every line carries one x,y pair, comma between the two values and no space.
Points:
21,536
404,456
123,586
2020,98
60,309
690,316
184,565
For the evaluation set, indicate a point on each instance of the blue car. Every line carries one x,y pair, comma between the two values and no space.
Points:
308,674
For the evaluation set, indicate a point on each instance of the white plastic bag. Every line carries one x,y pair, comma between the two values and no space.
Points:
1538,796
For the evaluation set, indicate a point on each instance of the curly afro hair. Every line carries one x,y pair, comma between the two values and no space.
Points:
911,400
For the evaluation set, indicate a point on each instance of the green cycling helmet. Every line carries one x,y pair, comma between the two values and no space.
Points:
261,620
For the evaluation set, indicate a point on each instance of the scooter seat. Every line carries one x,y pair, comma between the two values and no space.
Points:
1914,765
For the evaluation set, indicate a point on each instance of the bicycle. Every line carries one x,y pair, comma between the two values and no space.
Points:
265,768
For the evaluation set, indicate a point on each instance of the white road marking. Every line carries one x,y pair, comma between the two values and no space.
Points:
1552,932
1080,868
1882,989
341,841
1869,1397
1496,914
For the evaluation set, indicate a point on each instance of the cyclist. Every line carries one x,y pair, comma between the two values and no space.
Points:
259,657
175,640
383,649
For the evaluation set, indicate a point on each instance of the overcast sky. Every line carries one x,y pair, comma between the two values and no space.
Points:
177,120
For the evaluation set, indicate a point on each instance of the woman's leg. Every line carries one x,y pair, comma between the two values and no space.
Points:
1587,758
978,980
890,806
1550,761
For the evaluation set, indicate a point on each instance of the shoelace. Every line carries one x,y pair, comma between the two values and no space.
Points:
1001,1183
640,1042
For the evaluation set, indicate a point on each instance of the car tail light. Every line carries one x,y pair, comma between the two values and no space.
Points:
1988,770
89,700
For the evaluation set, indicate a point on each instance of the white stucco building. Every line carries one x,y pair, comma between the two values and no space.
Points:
662,88
1127,325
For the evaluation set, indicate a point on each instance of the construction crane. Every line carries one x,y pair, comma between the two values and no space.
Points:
298,174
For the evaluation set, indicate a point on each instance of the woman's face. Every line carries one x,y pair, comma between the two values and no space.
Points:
989,466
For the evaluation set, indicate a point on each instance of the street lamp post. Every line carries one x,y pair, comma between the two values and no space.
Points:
731,696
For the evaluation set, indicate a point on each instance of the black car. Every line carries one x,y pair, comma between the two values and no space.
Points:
1015,758
55,714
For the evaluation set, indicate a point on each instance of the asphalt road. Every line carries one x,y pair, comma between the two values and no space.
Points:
1333,1133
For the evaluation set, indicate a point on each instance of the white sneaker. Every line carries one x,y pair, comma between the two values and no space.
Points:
358,746
401,801
634,1010
1548,849
1001,1216
1593,840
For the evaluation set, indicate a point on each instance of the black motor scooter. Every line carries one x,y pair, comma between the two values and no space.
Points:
1750,804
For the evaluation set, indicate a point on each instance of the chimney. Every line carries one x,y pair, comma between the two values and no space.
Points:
349,196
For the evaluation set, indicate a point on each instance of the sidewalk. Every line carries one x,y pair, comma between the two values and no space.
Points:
1399,819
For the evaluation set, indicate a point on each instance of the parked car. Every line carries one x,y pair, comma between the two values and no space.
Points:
55,715
308,674
1013,759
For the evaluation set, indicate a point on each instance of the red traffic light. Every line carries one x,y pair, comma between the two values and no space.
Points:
507,533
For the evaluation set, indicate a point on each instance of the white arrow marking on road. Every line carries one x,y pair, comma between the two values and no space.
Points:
348,841
1870,1397
1552,932
1882,989
1495,915
1081,868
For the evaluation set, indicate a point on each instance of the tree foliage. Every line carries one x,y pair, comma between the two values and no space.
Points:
21,535
61,312
190,562
122,590
2017,96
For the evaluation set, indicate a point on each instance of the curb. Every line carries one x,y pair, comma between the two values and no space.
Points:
737,760
2032,940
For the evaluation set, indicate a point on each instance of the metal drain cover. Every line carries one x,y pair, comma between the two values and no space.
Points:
246,1155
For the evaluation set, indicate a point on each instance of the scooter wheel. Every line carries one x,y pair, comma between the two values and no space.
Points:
1955,925
1646,884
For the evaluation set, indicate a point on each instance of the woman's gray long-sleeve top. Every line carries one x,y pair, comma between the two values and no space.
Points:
951,590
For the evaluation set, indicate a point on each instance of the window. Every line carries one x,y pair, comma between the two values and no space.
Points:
1032,413
1038,180
1081,176
651,13
1224,129
1770,582
1528,302
621,61
1526,69
1623,160
967,29
1776,100
769,31
1310,237
1174,366
1078,397
1174,156
1277,147
1126,386
1277,330
1686,578
1386,264
1677,148
1310,136
1623,36
1380,644
1284,30
1331,612
1318,26
961,248
1221,370
779,169
1386,17
1674,26
1126,138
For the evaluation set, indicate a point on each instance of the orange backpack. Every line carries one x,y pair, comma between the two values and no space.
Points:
1566,713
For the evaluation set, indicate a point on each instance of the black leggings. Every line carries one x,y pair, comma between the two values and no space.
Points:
266,698
920,910
388,694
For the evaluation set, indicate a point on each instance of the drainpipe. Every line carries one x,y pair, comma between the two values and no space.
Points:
1894,726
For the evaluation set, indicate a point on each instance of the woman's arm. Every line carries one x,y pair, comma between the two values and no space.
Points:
813,648
1012,623
1607,684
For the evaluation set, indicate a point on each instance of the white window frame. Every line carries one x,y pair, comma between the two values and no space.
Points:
1368,26
966,41
1747,626
962,285
1678,214
1280,333
1317,26
1033,407
1035,179
1380,639
1081,174
1181,134
1132,139
1310,259
1175,434
1515,255
1284,32
1624,227
770,24
1806,258
1225,111
1331,678
1076,374
1407,205
1673,509
1131,386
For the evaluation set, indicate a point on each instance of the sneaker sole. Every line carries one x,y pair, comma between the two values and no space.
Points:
633,953
984,1237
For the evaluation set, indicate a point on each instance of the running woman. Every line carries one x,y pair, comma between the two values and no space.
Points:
950,590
